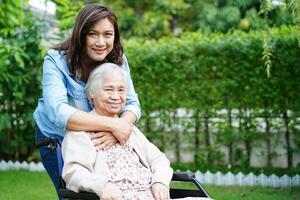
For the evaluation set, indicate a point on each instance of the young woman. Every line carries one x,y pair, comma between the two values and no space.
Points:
131,171
64,105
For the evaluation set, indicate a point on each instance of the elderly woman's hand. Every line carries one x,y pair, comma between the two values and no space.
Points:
103,140
160,191
121,129
111,192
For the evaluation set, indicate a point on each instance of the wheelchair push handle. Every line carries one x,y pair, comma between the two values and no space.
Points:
183,176
51,142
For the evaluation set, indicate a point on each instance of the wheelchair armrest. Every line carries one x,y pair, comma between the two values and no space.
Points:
183,176
187,177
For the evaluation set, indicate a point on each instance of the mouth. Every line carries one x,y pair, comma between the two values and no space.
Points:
99,51
115,105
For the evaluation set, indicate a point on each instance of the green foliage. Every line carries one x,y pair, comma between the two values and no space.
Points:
153,24
19,69
207,66
266,7
141,18
66,11
252,21
206,73
266,56
235,169
294,5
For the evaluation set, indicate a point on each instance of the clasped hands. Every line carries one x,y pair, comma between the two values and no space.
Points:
112,192
120,132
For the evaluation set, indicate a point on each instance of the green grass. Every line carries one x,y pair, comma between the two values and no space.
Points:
253,193
25,185
246,193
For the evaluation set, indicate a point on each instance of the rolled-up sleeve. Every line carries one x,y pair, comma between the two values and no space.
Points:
132,101
55,93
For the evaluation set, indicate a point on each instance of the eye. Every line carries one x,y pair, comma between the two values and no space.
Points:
91,34
108,89
108,34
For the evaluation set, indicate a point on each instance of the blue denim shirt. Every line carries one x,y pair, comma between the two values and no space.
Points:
63,94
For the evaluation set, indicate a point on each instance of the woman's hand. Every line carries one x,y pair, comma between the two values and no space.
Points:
103,140
111,192
160,191
121,129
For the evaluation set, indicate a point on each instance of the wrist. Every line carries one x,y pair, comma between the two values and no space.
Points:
129,116
109,123
160,183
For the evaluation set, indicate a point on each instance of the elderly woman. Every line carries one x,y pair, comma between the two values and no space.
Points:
133,170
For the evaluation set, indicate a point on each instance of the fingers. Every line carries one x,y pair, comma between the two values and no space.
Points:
164,195
111,192
157,195
167,195
161,195
103,140
111,198
107,144
96,135
160,191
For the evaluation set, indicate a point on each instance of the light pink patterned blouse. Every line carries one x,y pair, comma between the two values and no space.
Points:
128,173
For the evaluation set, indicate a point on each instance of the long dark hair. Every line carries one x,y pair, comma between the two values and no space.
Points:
75,45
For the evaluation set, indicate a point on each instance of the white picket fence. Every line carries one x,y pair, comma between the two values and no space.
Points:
21,165
205,178
247,179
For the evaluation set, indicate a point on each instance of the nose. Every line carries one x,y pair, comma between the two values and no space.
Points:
100,41
115,95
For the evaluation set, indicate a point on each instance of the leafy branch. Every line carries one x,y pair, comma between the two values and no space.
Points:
266,55
265,8
294,5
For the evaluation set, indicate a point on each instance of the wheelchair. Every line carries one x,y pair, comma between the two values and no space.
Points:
65,194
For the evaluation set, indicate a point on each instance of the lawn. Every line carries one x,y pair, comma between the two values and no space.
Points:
25,185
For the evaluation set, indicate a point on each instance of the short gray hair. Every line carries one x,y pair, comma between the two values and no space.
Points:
98,75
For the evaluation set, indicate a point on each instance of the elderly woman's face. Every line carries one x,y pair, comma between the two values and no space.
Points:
111,95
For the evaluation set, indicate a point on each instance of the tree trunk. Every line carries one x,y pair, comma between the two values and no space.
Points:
268,141
177,137
248,144
287,139
244,129
147,124
161,130
230,153
230,146
196,136
207,139
248,152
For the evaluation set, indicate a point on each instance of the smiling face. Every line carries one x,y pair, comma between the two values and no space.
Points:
100,40
111,95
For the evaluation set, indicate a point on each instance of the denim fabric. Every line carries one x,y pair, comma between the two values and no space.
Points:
49,159
63,94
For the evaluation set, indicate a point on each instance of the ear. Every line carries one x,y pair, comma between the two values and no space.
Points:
93,94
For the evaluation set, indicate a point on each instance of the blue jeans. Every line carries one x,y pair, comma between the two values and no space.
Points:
49,159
